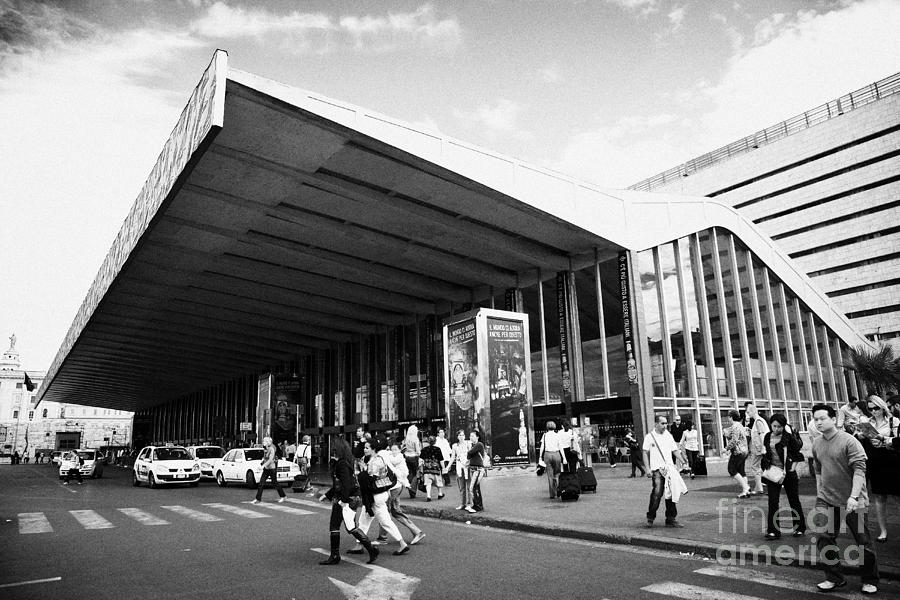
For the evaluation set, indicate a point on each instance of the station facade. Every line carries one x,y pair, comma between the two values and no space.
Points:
292,261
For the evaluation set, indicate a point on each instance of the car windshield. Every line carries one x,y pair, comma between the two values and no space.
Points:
254,454
172,454
209,452
89,455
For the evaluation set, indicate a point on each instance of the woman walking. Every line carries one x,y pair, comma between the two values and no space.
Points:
635,455
475,457
782,453
690,443
459,461
397,463
379,475
883,469
412,449
737,445
552,455
345,500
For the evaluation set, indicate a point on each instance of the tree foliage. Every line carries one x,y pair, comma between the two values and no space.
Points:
879,369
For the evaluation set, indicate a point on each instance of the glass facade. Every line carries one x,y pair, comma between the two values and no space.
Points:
718,328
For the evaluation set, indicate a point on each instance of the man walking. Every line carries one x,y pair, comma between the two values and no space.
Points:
840,464
677,429
758,430
658,449
75,469
270,471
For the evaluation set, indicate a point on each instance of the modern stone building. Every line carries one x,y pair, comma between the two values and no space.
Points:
292,259
825,185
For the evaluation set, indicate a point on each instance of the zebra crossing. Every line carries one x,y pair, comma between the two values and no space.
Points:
33,523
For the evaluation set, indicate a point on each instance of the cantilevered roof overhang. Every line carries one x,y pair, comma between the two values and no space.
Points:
277,222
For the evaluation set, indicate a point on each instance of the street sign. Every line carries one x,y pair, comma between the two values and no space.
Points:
246,426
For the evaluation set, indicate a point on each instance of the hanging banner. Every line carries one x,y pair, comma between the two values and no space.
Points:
285,408
509,387
627,338
562,302
263,406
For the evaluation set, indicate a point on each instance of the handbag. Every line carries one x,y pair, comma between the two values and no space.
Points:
774,474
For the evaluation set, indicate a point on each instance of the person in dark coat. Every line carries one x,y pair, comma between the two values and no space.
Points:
782,450
345,500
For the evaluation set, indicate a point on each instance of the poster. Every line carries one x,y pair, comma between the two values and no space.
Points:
285,407
465,410
509,402
263,409
625,292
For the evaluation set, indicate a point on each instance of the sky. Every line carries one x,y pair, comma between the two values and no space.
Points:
607,91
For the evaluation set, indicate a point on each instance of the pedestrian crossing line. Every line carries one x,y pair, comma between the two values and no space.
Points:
34,523
192,514
285,509
311,503
142,517
90,519
237,510
771,579
694,592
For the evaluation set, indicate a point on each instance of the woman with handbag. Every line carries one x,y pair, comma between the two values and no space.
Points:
883,465
345,500
782,453
379,474
458,453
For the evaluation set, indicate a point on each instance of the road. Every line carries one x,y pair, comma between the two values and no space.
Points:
106,539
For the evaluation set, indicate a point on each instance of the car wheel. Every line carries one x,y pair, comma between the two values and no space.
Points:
220,479
251,480
134,480
151,481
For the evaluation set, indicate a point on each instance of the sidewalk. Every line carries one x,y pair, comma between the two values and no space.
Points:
716,524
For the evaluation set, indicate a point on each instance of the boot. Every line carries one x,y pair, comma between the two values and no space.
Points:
363,539
335,557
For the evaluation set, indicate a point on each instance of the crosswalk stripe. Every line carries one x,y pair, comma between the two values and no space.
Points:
770,579
311,503
34,523
192,514
90,519
237,510
694,592
142,517
285,509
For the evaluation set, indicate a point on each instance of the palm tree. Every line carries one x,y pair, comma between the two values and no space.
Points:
878,369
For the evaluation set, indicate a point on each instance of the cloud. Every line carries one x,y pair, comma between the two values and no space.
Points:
676,18
550,74
494,120
645,7
320,32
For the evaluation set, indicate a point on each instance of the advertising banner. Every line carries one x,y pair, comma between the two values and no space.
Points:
285,407
508,377
465,410
627,337
562,302
263,406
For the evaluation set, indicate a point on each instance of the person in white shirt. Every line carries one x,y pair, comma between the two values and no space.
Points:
566,442
442,443
758,430
659,447
551,452
458,454
690,443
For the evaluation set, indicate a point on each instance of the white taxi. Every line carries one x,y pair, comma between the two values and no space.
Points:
245,465
92,467
165,465
209,457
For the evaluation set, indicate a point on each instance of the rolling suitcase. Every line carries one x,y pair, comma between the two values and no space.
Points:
569,488
587,479
300,484
700,465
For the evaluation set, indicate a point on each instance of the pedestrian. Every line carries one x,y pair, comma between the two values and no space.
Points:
476,458
677,429
634,454
75,468
303,458
840,464
883,468
758,430
849,414
269,471
431,462
612,449
782,453
566,442
690,445
345,500
379,475
444,444
554,459
290,451
660,449
411,449
459,461
359,445
397,464
15,459
737,446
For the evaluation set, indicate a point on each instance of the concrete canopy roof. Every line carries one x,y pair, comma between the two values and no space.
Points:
277,222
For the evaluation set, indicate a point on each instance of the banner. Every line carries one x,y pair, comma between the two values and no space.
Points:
562,302
465,410
285,407
508,379
263,409
627,338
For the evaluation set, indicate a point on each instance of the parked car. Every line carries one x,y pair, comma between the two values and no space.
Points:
245,465
92,467
209,457
165,465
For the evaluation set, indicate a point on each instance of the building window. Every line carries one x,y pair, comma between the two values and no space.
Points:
30,415
15,414
18,386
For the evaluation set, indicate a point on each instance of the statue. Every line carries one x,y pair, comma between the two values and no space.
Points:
12,342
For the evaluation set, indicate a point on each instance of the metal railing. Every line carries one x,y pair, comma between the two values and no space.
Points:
871,93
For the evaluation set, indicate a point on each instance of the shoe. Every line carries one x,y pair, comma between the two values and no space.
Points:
65,483
401,551
417,538
674,524
254,501
378,543
469,509
631,476
773,536
355,551
373,554
649,524
869,588
80,483
881,539
331,560
758,493
427,499
614,466
280,500
799,533
692,475
828,585
440,496
744,495
460,507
